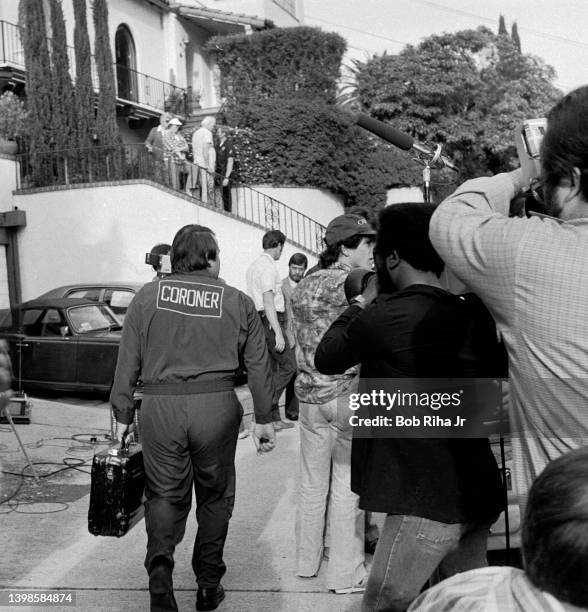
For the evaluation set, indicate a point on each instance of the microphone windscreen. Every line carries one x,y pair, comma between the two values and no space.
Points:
383,130
356,282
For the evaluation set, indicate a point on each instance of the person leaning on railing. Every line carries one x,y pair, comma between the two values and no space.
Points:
174,147
204,158
154,144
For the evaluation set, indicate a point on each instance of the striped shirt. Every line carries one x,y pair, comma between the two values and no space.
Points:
532,274
488,589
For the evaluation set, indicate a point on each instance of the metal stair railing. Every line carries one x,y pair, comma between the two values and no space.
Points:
52,168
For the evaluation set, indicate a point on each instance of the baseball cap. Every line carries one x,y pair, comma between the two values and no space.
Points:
345,226
175,121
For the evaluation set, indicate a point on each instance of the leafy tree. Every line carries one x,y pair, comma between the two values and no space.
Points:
106,126
84,90
467,91
515,36
63,117
502,31
38,86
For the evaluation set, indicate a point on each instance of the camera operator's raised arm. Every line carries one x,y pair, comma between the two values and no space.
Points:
477,240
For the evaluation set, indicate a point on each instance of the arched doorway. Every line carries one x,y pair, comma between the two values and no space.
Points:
126,66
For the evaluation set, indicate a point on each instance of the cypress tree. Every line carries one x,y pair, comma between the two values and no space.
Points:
515,36
63,117
38,88
502,27
84,89
106,126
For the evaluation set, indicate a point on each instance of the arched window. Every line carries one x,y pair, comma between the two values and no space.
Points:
126,66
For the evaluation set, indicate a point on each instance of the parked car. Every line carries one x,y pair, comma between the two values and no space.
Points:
64,344
116,295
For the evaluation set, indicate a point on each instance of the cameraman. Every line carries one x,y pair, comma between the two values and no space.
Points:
440,495
531,274
159,259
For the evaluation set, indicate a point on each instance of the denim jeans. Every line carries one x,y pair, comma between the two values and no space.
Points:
325,477
410,549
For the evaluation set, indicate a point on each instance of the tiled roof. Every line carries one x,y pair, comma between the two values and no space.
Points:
222,16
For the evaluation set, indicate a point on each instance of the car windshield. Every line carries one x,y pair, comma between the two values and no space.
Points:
91,318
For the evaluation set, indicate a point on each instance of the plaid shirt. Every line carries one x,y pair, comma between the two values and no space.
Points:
317,301
488,589
532,275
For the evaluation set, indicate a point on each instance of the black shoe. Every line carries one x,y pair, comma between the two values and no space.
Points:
209,598
163,602
161,589
292,417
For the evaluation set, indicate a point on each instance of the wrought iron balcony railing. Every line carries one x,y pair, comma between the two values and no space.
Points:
132,162
132,86
11,47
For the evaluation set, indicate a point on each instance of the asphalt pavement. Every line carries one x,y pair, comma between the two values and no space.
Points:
46,546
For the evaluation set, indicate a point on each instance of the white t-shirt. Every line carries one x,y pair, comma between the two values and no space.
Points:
262,276
201,137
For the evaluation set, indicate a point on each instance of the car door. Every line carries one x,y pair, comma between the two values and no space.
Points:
47,358
97,350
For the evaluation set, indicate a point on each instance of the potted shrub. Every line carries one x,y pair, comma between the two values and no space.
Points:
13,122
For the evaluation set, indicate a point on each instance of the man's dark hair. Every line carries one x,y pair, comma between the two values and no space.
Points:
332,253
298,259
193,247
160,249
565,144
555,529
404,228
272,239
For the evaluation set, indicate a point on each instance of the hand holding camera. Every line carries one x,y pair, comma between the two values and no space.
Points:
528,137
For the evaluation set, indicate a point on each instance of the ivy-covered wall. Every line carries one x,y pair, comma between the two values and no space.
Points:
280,86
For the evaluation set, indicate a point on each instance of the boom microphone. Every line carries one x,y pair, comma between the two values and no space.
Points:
401,139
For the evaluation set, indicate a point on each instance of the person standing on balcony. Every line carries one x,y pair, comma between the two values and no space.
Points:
204,158
225,161
174,151
154,144
264,286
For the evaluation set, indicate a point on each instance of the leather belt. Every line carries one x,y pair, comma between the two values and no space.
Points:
189,388
281,315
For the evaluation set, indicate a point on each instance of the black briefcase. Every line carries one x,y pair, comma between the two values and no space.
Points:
116,492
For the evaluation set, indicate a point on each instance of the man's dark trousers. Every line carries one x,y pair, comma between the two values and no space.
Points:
190,439
283,364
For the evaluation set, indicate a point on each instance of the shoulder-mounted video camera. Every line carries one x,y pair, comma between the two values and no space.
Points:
162,263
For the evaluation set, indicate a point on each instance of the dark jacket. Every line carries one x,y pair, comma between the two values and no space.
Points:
419,332
187,328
